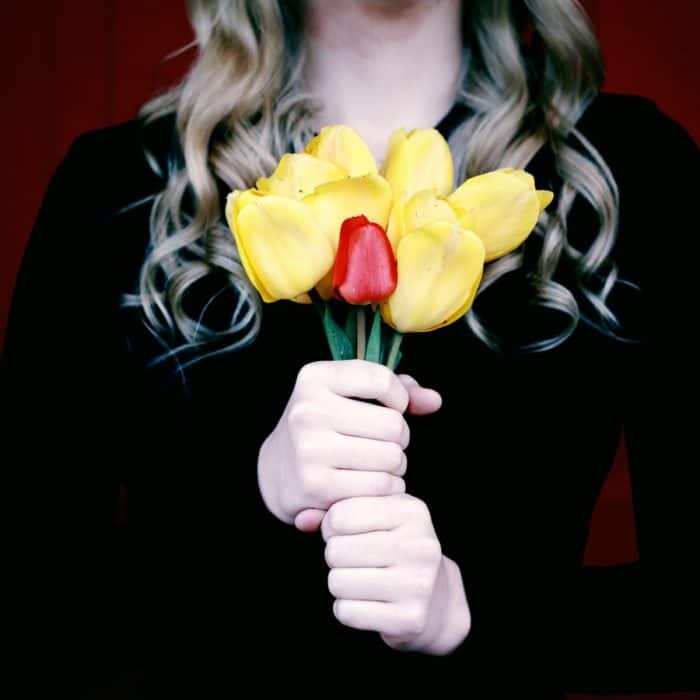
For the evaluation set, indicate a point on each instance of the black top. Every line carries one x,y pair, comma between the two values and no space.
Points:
204,586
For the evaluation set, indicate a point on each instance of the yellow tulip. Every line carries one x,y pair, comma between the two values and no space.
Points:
281,246
298,175
421,209
287,228
343,147
439,271
334,202
419,160
501,207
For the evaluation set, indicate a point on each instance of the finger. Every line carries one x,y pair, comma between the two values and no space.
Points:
309,520
365,454
382,585
362,380
348,484
359,419
421,400
365,550
354,516
369,615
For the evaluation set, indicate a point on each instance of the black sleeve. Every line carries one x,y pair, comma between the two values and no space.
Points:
64,397
82,414
635,627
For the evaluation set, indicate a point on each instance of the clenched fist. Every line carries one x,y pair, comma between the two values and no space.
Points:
388,574
328,446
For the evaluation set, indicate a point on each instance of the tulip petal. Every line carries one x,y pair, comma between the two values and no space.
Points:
396,226
500,207
420,160
238,199
282,248
423,208
545,197
521,175
299,174
439,270
364,271
334,202
302,299
235,202
344,147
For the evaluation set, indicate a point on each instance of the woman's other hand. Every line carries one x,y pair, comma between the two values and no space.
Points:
328,446
388,574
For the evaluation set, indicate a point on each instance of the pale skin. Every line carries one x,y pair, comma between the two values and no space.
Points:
417,43
335,462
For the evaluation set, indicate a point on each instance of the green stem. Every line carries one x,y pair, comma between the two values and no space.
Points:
361,333
396,339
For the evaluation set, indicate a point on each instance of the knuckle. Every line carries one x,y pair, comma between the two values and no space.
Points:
300,416
341,612
333,583
331,552
310,372
311,485
397,458
403,464
385,484
414,619
428,549
383,380
425,550
395,427
335,518
306,374
405,438
424,581
419,510
305,450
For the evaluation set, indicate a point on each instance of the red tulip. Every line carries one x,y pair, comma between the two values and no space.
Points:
365,265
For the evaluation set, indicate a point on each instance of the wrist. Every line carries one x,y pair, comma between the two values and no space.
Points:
450,621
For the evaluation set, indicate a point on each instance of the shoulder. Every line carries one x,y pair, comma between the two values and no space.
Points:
631,133
113,167
97,207
654,162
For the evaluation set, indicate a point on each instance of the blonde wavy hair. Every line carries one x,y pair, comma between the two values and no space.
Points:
243,104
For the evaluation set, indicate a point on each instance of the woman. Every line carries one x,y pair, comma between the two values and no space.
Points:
456,526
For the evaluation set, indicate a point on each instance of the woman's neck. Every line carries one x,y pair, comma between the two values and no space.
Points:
382,64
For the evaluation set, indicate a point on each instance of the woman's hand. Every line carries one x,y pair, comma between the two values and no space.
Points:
328,447
388,574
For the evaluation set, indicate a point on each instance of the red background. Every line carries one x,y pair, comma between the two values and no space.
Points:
74,65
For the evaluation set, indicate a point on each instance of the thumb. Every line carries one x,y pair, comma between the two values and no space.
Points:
421,400
309,520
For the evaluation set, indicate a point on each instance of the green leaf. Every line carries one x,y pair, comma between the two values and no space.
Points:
387,334
339,343
397,359
394,352
374,344
351,328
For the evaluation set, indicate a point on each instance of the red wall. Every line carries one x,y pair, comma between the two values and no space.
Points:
70,66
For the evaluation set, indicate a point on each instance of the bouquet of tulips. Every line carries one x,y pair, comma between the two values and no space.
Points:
327,225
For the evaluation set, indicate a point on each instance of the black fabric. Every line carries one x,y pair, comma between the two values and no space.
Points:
203,589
